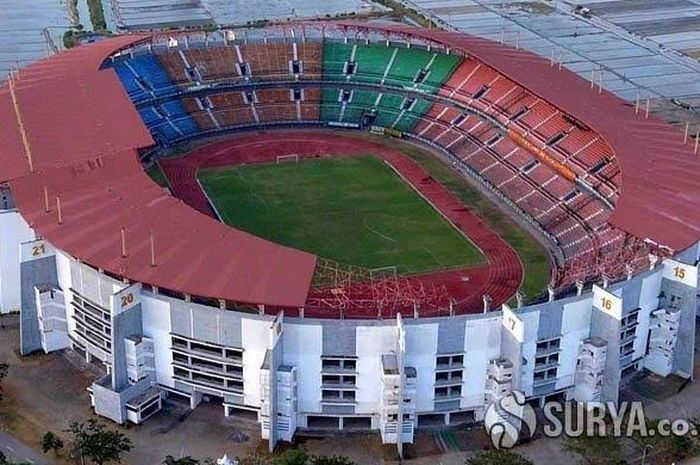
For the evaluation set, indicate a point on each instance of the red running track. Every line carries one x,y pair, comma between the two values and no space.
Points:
500,278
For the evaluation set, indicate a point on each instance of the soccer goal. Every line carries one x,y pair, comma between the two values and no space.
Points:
383,272
294,158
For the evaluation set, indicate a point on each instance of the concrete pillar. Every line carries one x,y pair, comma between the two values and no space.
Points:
301,312
519,297
550,292
579,288
222,304
487,303
447,418
629,269
195,399
341,423
653,260
416,313
606,281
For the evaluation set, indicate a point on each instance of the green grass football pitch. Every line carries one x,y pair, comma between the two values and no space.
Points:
354,210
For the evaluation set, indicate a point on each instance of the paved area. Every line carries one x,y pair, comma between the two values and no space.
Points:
17,451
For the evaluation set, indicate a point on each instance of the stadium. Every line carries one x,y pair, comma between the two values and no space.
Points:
314,253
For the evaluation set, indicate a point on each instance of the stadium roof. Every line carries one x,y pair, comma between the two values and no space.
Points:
660,189
83,133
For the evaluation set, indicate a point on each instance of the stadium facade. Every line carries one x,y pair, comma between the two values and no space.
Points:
100,260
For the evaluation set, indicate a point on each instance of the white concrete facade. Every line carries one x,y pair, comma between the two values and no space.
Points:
334,369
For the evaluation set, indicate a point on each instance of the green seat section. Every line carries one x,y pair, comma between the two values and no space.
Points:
406,65
397,66
362,101
335,55
410,118
372,61
330,107
440,71
388,110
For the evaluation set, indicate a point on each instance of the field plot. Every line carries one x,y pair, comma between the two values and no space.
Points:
355,210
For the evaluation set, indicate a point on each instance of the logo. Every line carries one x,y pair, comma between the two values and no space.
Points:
508,418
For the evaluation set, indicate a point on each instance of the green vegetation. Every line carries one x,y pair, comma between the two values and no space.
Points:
596,450
98,444
498,457
532,254
3,374
72,37
97,15
157,175
288,457
411,13
355,210
49,441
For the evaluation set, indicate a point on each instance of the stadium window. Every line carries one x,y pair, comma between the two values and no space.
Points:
494,140
480,92
598,166
530,166
458,120
570,196
408,104
555,138
520,113
350,68
243,69
421,76
295,67
191,75
345,95
249,96
297,95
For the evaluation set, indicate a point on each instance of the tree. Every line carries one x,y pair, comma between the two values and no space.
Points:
97,443
170,460
498,457
51,442
595,450
253,459
3,374
292,457
332,460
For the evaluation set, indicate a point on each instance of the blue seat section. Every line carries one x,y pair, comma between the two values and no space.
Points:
145,78
169,121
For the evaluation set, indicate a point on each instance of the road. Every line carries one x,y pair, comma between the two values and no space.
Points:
17,451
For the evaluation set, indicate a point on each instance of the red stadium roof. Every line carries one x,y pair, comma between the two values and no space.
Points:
83,133
660,191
